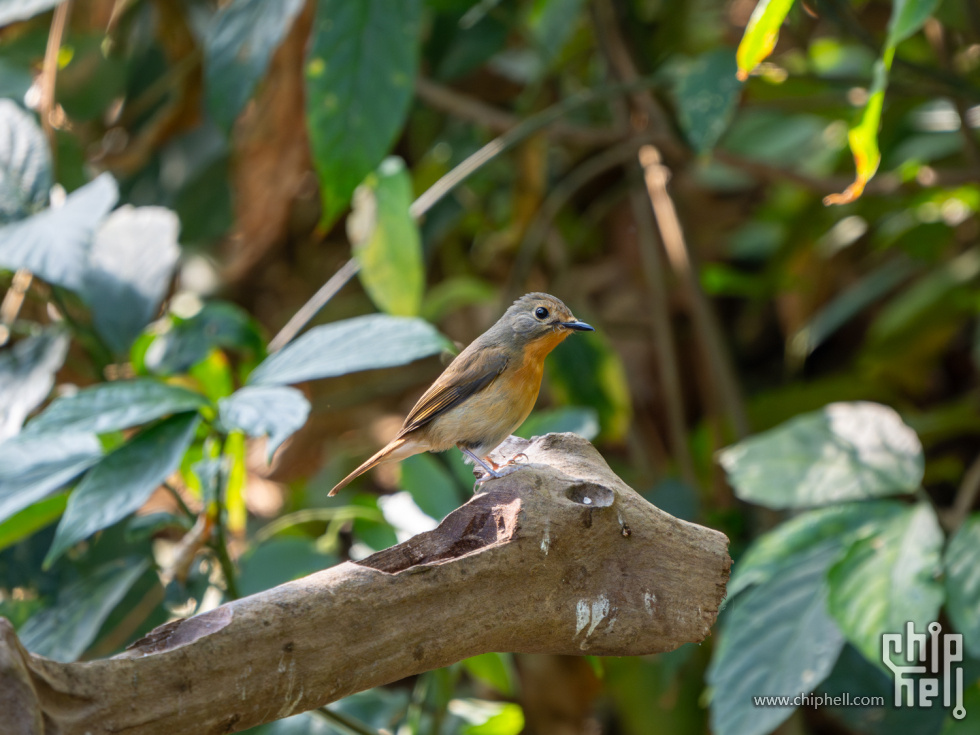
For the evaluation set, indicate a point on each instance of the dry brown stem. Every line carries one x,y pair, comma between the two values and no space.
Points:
558,557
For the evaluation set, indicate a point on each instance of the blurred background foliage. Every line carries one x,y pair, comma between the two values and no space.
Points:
179,177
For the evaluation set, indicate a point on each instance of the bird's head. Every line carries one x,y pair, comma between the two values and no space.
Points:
540,317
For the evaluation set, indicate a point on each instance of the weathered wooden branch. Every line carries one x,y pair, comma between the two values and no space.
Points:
558,557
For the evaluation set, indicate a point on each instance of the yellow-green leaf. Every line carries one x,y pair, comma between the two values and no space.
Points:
386,240
760,35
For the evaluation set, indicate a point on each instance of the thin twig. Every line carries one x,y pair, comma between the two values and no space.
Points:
345,723
477,111
49,71
316,302
705,322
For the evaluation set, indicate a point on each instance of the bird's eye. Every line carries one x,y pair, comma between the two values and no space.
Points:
541,312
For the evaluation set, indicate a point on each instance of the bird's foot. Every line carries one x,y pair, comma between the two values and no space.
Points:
496,474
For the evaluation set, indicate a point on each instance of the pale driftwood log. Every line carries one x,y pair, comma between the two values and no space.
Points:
558,557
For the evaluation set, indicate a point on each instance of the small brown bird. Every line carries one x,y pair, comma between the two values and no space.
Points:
487,391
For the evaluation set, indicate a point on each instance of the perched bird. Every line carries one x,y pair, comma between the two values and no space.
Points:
487,391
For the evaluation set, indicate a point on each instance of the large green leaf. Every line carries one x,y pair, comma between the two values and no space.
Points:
64,631
239,43
430,485
275,411
25,163
778,640
132,260
112,406
963,582
32,519
494,669
360,72
707,96
888,579
123,481
846,451
361,343
836,527
54,243
26,376
386,240
761,34
188,341
31,467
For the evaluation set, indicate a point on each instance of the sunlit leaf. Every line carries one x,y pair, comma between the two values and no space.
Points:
54,243
962,564
386,241
25,163
888,579
778,640
360,71
240,41
64,631
761,34
235,478
273,411
847,451
123,481
32,519
488,718
26,376
863,136
361,343
113,406
836,527
32,467
132,260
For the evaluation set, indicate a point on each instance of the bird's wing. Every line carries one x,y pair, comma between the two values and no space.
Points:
466,375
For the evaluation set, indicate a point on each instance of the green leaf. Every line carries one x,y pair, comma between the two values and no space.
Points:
580,420
846,451
889,578
14,10
962,564
64,631
26,375
113,406
32,467
488,718
360,72
361,343
908,16
123,481
551,23
707,97
25,163
257,410
54,243
278,561
32,519
863,135
430,485
836,527
778,640
188,341
493,669
386,240
761,34
132,260
240,41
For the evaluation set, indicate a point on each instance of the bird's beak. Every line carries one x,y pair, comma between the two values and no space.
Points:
578,326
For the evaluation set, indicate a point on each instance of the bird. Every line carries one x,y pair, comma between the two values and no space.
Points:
487,391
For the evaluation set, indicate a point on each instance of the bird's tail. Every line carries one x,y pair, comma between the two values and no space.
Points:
388,453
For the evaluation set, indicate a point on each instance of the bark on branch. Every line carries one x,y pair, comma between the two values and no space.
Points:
559,557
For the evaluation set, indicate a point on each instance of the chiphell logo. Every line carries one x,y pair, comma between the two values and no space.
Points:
910,680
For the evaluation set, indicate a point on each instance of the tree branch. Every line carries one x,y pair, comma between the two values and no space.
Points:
558,557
